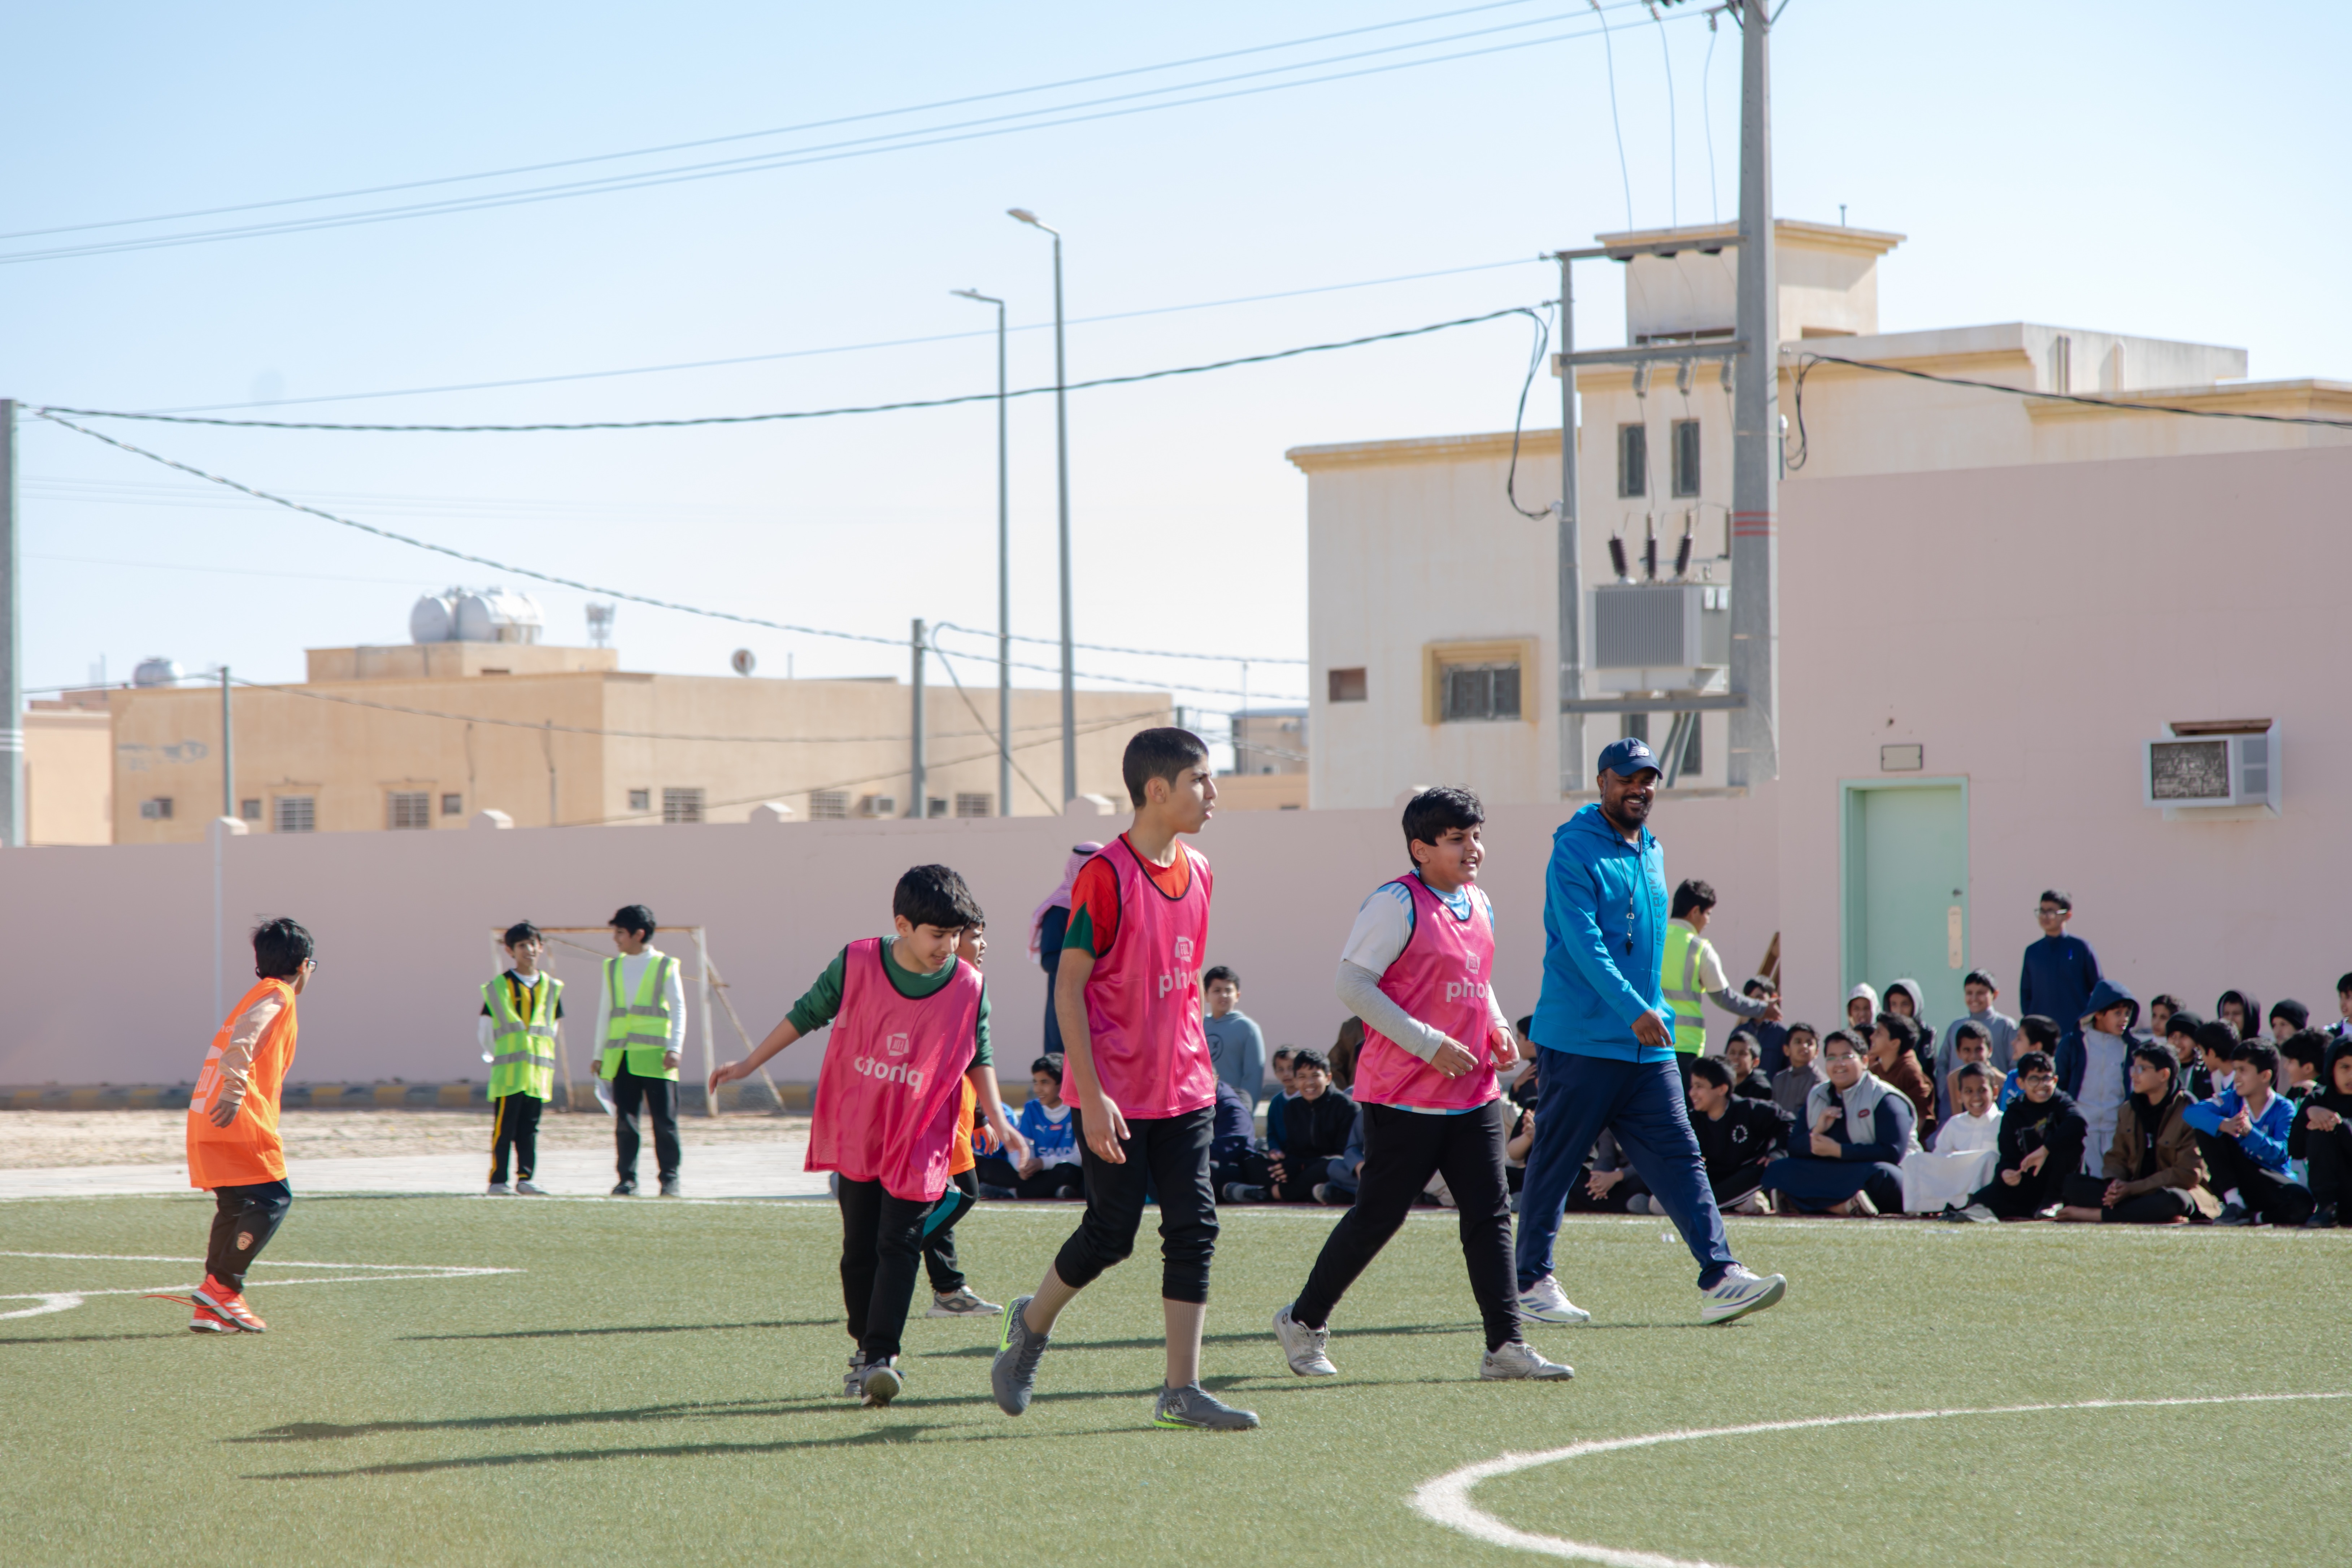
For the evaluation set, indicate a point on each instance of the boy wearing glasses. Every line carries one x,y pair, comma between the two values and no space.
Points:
2041,1145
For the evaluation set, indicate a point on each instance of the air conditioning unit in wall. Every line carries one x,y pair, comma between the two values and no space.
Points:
878,806
2202,767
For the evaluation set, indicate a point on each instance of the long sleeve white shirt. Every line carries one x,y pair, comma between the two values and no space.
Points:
1383,926
633,975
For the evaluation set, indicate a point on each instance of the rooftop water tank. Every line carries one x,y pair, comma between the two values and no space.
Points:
493,615
157,672
434,618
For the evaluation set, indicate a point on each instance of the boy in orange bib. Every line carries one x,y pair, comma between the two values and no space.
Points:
234,1149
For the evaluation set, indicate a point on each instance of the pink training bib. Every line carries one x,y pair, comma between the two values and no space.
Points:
1143,999
1442,979
889,1091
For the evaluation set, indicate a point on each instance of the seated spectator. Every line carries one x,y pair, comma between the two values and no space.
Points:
1861,1008
2152,1169
1792,1084
1341,1060
2241,1012
2286,1016
1236,1046
1903,1000
2041,1145
1771,1034
2300,1056
1051,1170
2217,1061
2322,1139
1282,1098
1847,1157
1999,1033
1522,1088
1608,1184
2160,1009
2242,1136
2035,1033
1748,1080
1316,1127
2342,1028
1971,1047
1894,1057
1343,1173
1738,1136
1232,1141
1967,1144
2094,1067
1521,1139
2180,1036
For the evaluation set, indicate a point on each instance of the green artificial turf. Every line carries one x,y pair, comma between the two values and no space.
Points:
660,1384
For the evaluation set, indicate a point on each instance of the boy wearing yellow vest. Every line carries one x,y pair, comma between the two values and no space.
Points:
1694,972
520,1012
234,1147
641,1022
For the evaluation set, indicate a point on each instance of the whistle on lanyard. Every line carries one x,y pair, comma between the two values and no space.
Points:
1629,925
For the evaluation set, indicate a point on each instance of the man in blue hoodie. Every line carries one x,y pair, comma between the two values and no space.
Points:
2057,974
1606,1038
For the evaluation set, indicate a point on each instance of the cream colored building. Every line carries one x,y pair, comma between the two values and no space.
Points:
69,785
423,736
1432,604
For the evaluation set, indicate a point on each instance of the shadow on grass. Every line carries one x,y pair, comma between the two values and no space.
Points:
633,1329
180,1333
1262,1337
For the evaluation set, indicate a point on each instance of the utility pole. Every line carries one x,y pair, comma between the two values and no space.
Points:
12,642
228,751
1755,751
922,783
1573,771
1004,572
1062,475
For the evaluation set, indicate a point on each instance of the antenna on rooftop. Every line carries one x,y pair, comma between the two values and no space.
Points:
600,626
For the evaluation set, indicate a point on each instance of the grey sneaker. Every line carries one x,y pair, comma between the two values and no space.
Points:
1302,1347
1014,1374
1194,1407
669,1187
1243,1192
1520,1360
961,1303
529,1189
501,1190
854,1385
883,1382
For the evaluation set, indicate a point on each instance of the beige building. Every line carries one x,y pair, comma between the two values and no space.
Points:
426,736
69,782
1432,606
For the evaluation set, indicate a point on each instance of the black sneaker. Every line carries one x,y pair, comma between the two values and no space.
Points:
669,1187
625,1189
883,1380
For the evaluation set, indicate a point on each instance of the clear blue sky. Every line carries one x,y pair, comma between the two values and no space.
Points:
2172,170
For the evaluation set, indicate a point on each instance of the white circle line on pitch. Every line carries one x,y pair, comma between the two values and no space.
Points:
1446,1499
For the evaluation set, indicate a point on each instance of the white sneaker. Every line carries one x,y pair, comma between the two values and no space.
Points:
960,1303
1738,1293
1543,1302
501,1190
1302,1347
529,1189
1520,1360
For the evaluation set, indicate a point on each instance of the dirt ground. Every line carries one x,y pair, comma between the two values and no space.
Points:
37,1139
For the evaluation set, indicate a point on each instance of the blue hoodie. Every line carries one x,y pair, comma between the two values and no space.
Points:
1605,906
2073,1057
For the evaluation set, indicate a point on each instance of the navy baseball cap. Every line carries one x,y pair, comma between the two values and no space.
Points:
1627,757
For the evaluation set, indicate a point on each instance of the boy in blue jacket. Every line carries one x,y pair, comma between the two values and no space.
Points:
2243,1137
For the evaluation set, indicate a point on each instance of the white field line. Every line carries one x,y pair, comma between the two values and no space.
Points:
377,1273
1446,1499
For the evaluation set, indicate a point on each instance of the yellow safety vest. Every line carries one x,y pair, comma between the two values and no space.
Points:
1679,979
639,1030
522,1045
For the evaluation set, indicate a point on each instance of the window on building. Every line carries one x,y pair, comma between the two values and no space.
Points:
829,805
681,805
1469,692
406,808
1636,727
968,803
1346,685
158,809
640,800
453,805
249,809
297,814
1686,457
1633,459
935,807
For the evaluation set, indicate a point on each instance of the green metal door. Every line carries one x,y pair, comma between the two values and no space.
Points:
1907,863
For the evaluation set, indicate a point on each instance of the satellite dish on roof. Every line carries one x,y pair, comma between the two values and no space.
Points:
743,661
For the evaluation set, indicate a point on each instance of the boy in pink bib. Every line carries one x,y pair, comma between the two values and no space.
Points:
1138,1073
910,1026
1418,969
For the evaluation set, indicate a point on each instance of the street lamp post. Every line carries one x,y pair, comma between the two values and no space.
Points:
1003,575
1062,474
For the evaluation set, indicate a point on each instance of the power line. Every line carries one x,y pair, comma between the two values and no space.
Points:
824,153
49,412
1609,50
849,348
753,135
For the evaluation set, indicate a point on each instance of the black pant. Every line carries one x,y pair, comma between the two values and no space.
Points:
2330,1170
1735,1187
2265,1193
515,1125
938,1240
1171,1154
1403,1149
2158,1205
881,1236
2036,1191
658,1095
244,1219
1582,1201
999,1171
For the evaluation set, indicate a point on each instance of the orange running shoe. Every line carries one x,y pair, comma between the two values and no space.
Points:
207,1322
229,1305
